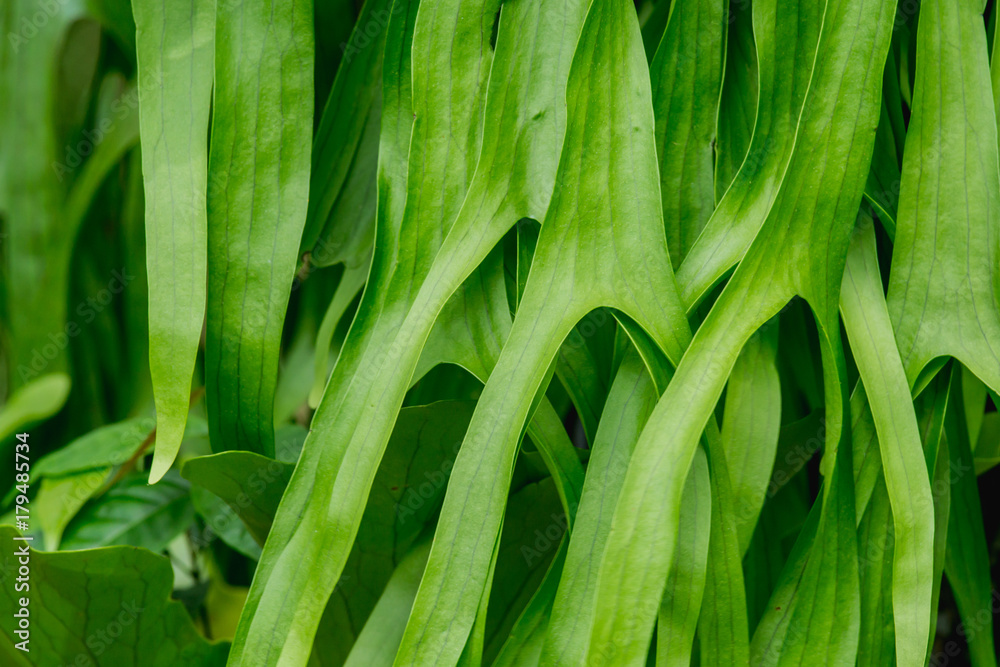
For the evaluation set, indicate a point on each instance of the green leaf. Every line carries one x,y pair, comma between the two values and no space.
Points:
875,551
738,100
175,57
866,319
59,499
681,606
967,558
750,428
530,543
249,483
448,55
523,646
629,403
223,522
813,203
377,643
723,633
782,48
686,75
133,512
257,198
35,401
988,447
943,287
609,167
102,606
38,157
345,143
110,445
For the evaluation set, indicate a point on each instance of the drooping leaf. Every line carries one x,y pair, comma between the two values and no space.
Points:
907,481
257,197
176,50
835,129
38,158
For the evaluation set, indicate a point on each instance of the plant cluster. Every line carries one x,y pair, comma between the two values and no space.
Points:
499,332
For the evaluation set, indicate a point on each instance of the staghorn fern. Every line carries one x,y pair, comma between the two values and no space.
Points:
565,332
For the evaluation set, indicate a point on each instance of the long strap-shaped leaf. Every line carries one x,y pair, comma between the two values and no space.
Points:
907,482
967,558
680,608
784,48
257,197
808,227
601,245
738,99
753,394
750,428
176,48
343,125
945,279
629,403
723,632
446,61
34,170
686,76
396,124
877,634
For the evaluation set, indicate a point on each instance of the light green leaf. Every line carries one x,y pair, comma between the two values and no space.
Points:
60,498
35,401
686,75
377,643
945,278
629,403
681,606
250,483
750,427
907,483
814,202
175,55
601,245
449,55
110,445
